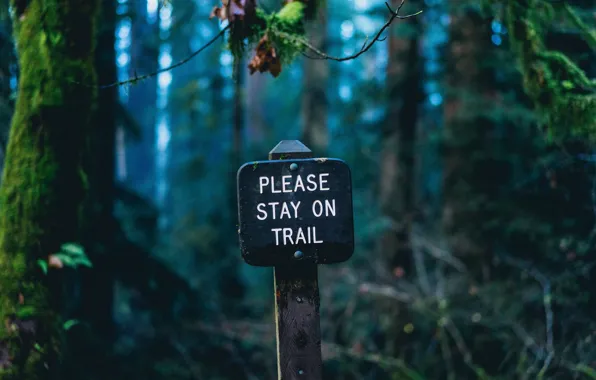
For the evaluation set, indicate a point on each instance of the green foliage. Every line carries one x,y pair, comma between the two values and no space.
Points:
284,29
25,312
67,325
561,91
43,265
70,255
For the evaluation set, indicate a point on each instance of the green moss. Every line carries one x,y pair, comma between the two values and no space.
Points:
42,186
292,14
561,91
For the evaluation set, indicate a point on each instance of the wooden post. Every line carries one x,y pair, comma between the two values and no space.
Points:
297,302
294,213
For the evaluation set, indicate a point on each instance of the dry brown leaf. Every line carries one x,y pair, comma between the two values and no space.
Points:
265,59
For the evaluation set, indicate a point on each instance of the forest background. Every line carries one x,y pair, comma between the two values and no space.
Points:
470,134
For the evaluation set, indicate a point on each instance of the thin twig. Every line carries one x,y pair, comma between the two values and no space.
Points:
446,352
463,348
321,55
548,311
171,67
191,364
376,358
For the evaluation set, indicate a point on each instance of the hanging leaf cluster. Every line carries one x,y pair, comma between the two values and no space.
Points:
276,38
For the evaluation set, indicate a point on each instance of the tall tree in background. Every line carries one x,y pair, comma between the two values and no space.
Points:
396,175
7,59
316,72
95,304
43,181
469,180
144,55
396,172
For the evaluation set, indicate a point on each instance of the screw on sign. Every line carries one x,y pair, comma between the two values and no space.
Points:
295,212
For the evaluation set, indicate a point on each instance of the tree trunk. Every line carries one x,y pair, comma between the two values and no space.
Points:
144,57
96,294
43,181
396,181
467,186
7,60
398,138
314,98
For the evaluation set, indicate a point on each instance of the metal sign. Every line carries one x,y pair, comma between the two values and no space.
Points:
298,209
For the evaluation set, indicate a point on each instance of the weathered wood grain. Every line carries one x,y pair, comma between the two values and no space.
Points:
297,303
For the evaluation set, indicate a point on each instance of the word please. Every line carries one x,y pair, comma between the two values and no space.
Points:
318,209
313,182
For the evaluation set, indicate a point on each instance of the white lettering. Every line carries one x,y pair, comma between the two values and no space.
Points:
314,236
263,181
329,207
259,206
276,230
286,183
312,182
273,187
285,210
322,181
287,232
295,206
299,183
314,207
273,204
300,236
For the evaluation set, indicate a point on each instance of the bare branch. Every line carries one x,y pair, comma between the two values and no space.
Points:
171,67
386,291
365,47
319,54
548,310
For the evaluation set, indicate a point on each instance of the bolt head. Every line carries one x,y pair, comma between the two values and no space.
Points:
293,166
298,255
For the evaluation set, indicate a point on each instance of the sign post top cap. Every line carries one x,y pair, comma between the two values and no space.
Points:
290,149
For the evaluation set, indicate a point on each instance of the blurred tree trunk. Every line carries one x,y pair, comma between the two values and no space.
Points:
470,177
398,139
43,183
255,124
142,100
239,114
231,286
7,59
396,181
97,302
96,296
314,98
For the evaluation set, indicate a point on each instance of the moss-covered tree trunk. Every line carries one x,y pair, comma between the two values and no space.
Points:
43,184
